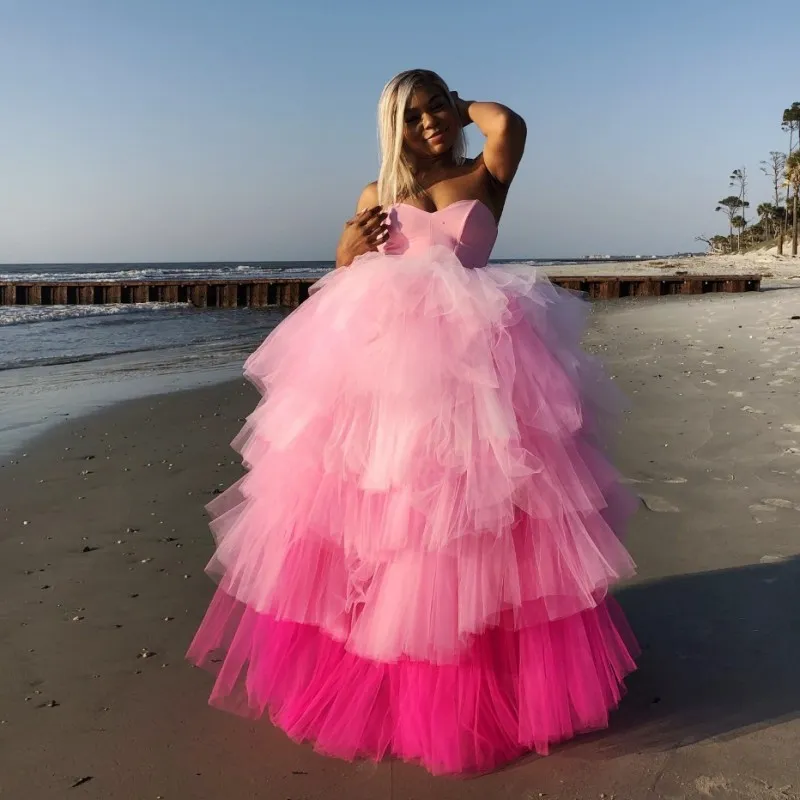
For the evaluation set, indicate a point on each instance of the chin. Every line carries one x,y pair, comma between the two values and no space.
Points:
441,149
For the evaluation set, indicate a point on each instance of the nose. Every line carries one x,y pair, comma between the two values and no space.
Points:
428,121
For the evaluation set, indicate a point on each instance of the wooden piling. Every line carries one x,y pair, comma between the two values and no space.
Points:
199,295
290,292
113,293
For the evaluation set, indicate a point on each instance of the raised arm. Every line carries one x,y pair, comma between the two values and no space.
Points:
364,232
505,133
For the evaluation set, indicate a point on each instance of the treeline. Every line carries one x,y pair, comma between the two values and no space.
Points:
775,216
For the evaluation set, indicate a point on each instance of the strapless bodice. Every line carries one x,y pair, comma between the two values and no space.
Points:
466,227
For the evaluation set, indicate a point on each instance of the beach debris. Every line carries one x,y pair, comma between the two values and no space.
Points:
657,504
50,704
771,559
755,508
779,502
81,781
145,653
89,457
89,549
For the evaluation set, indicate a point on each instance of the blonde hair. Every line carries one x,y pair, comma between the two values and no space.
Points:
396,179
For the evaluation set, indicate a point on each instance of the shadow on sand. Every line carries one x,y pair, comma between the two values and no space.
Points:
720,658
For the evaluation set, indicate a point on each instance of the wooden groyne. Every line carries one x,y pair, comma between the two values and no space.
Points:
290,292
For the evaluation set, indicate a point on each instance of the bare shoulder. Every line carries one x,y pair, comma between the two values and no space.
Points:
368,197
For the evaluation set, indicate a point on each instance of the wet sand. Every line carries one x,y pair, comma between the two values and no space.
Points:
103,541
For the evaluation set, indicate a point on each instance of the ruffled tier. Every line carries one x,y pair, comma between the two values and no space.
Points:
425,462
511,691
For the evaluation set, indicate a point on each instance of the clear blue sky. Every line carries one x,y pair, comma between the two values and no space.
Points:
223,129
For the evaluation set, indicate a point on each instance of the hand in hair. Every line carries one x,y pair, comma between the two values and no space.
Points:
462,106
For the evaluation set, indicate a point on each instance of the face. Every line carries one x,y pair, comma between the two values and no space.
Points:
431,124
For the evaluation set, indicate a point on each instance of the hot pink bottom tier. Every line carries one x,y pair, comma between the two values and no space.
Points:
514,691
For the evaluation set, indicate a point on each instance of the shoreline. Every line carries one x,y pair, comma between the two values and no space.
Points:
104,541
38,400
39,396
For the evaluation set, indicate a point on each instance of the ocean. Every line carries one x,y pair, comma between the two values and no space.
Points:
32,336
59,361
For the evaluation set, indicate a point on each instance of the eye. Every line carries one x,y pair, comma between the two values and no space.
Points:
412,118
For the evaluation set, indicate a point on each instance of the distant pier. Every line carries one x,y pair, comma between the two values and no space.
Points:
290,292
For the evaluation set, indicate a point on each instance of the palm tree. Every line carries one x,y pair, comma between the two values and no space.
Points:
793,181
740,223
766,212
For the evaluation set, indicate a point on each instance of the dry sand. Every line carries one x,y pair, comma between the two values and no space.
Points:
104,542
776,271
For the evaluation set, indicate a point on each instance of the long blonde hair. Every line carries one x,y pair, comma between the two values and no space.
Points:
396,179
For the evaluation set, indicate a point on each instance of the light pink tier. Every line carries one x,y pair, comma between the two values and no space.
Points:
418,559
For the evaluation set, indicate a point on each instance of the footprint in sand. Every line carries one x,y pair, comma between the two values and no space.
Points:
791,428
709,383
751,410
736,394
658,504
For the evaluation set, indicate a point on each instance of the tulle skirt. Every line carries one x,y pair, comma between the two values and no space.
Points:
418,559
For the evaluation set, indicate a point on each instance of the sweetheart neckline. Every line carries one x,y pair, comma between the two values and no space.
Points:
450,205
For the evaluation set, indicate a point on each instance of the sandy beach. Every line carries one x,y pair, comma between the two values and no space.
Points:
775,271
104,542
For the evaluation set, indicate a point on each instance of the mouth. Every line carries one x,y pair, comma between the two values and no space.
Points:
437,138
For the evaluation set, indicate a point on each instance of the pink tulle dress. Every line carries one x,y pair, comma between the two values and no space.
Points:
417,562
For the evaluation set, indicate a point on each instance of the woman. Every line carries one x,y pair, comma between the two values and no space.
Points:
418,559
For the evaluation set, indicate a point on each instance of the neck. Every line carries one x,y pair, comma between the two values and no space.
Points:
426,165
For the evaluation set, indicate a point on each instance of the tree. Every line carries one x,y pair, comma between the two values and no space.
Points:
730,206
738,181
793,181
790,122
773,169
740,223
720,244
766,212
716,244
